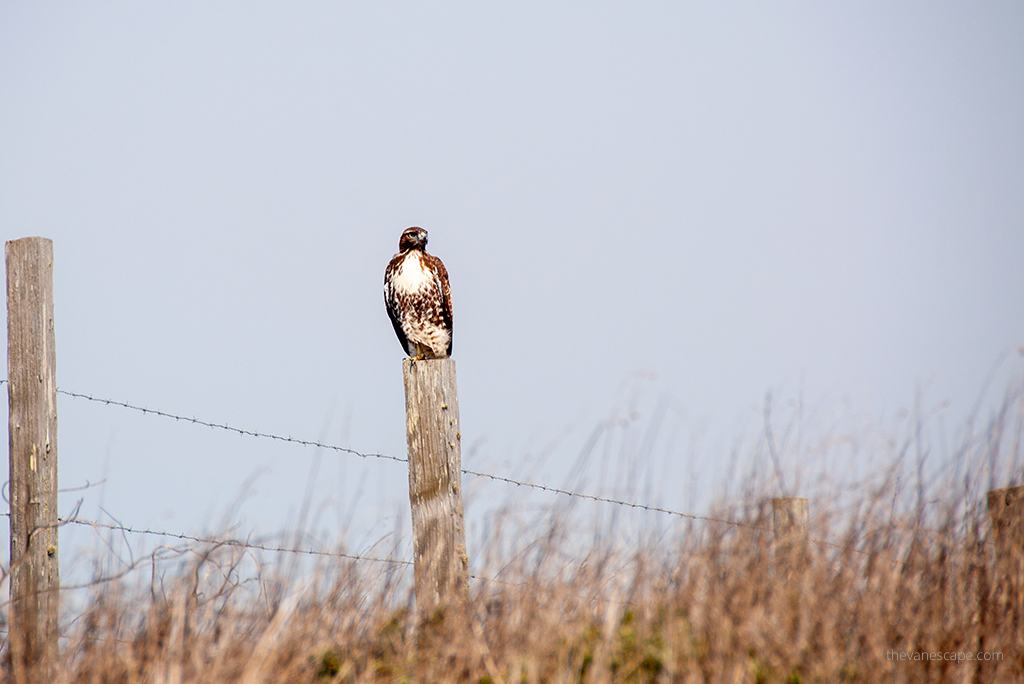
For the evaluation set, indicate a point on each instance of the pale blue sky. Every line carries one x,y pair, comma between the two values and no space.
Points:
823,201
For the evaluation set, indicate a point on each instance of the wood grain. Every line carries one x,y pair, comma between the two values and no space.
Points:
32,401
441,564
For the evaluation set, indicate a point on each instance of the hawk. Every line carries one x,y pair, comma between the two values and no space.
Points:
418,298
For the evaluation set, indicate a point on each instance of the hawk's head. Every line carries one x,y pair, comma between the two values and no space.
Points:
412,238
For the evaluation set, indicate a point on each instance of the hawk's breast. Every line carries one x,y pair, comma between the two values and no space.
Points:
418,301
411,276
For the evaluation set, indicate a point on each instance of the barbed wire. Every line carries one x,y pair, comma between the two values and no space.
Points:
489,476
218,541
604,499
229,428
271,548
215,541
233,542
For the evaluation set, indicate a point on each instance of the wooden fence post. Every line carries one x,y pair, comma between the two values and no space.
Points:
32,424
441,566
790,518
1006,511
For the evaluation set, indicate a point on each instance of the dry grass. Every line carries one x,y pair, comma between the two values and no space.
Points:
905,570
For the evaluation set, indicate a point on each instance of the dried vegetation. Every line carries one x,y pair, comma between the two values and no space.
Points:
906,569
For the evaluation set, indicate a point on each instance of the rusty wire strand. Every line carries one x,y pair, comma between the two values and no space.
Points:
489,476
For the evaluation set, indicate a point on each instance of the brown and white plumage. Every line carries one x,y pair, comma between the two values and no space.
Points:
418,298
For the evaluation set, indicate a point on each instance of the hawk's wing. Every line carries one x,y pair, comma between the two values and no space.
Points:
391,303
445,291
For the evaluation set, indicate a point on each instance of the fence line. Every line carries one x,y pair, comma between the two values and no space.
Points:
489,476
496,478
603,499
231,542
216,542
222,426
220,542
314,443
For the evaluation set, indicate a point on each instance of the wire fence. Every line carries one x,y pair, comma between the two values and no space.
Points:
210,540
489,476
220,541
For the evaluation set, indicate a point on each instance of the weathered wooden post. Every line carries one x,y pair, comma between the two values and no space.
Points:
1006,511
441,565
790,518
32,425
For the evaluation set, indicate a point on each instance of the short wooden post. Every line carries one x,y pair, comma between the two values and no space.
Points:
790,519
1006,511
32,424
441,566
